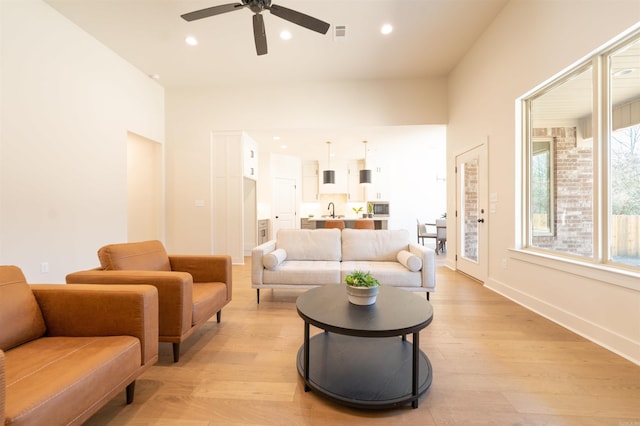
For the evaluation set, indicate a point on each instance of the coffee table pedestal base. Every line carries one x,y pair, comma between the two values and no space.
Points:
364,372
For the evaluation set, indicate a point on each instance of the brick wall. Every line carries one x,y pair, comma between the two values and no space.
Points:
470,249
573,194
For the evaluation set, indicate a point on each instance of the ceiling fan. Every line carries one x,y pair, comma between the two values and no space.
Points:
257,6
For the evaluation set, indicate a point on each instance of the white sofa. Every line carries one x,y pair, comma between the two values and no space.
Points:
305,258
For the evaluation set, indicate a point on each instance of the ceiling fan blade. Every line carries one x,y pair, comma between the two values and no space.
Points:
211,11
300,19
259,34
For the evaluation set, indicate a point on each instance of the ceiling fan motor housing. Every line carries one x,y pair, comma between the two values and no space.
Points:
257,6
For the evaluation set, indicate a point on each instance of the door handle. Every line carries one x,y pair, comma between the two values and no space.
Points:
481,220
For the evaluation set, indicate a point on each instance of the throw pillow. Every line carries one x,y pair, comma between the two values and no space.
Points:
410,260
274,259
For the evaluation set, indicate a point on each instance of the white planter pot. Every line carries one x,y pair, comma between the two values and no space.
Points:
362,295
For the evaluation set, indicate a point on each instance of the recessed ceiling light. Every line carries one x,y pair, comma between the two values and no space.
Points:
386,29
283,146
276,138
191,41
285,35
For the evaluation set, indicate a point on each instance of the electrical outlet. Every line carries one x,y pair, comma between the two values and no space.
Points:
44,268
505,264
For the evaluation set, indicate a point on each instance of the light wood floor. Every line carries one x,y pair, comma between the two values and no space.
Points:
495,363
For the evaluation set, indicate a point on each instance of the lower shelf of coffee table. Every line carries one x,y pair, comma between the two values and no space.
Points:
364,372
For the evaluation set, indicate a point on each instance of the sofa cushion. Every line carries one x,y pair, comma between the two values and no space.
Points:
140,256
274,259
20,316
304,272
310,244
388,273
373,245
409,260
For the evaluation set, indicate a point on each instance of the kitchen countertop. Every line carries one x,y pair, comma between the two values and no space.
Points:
324,219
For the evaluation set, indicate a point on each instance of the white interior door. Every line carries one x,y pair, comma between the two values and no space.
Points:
471,212
284,214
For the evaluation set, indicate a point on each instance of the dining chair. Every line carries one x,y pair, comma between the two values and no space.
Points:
364,224
339,224
423,233
441,235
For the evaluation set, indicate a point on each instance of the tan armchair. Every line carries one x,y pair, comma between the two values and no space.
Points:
66,351
191,288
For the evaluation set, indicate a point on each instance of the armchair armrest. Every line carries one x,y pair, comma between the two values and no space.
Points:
175,292
3,387
205,268
257,268
428,256
102,310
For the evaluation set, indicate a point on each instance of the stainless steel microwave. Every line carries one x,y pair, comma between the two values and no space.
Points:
380,208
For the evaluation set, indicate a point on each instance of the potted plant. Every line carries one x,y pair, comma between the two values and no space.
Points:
362,288
370,208
356,210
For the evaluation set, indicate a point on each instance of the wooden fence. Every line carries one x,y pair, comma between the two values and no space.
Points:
625,236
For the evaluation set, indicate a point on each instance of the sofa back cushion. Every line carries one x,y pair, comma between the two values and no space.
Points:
141,256
374,245
309,244
20,316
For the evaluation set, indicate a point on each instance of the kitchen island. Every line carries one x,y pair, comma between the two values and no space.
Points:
321,222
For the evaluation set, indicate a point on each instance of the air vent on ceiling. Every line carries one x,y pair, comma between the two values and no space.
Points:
339,32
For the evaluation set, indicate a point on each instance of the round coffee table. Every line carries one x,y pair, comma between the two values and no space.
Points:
359,360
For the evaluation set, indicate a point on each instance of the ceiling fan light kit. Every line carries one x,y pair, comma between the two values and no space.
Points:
257,7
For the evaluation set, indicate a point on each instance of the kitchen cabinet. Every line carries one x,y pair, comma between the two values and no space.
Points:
233,195
306,223
250,157
378,190
263,231
310,181
356,190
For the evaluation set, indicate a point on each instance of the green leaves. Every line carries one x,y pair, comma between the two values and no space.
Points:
361,279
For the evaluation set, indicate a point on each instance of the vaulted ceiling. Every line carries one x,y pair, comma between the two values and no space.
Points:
429,38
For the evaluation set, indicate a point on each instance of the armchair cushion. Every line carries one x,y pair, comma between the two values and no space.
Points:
145,255
20,316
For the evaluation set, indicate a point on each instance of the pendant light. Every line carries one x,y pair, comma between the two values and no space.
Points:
365,174
329,176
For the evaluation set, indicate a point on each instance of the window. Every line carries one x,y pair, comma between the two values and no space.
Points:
561,166
542,187
583,174
624,154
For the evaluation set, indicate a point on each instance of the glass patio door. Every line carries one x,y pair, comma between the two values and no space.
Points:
471,220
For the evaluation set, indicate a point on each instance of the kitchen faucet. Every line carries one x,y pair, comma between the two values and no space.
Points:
333,211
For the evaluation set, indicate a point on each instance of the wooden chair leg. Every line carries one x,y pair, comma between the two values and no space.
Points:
176,352
131,388
258,295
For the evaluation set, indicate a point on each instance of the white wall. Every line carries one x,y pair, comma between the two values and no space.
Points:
67,104
528,43
192,114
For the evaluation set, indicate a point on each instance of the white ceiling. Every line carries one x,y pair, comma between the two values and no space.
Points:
429,39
